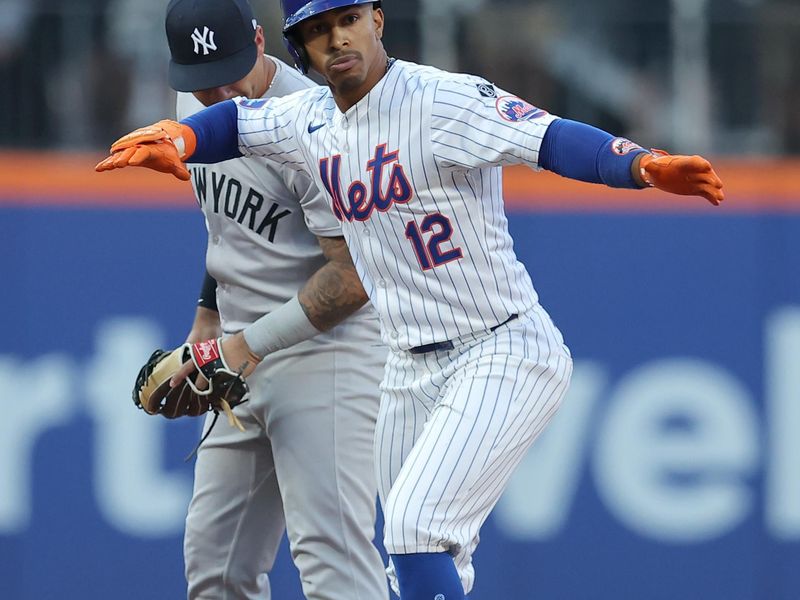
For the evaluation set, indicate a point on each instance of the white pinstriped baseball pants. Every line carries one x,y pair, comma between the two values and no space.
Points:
452,427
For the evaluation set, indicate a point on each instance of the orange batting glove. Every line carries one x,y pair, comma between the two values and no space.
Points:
684,175
162,147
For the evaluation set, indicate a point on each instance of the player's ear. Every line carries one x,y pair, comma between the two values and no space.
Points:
377,18
260,42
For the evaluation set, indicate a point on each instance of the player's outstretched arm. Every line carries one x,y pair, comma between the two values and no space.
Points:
162,147
209,136
585,153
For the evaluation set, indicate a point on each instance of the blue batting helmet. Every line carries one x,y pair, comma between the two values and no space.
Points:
295,11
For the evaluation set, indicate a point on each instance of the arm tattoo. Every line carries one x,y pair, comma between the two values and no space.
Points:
334,292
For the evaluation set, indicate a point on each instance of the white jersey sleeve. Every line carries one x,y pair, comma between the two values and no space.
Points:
475,124
317,212
268,128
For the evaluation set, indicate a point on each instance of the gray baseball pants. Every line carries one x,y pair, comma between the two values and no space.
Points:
304,464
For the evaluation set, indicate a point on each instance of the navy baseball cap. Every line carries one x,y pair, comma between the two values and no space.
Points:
212,43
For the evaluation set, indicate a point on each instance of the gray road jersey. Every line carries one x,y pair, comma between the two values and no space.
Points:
262,221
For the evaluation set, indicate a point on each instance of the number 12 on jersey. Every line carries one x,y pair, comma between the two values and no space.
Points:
430,254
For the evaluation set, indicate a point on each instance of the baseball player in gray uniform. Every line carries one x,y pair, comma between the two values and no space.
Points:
410,158
304,461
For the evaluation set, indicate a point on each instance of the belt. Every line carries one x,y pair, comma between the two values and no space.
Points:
448,344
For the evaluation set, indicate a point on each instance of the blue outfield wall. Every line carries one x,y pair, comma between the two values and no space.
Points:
672,471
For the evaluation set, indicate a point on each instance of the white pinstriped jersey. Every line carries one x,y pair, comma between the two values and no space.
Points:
413,172
262,220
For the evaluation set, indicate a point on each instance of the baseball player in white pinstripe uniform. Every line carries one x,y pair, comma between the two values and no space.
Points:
410,159
304,461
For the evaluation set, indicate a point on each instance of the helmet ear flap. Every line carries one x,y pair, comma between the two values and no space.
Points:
297,50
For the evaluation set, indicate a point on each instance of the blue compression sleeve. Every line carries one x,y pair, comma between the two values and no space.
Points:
426,576
583,152
217,133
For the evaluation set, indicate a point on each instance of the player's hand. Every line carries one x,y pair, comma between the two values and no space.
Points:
238,356
684,175
162,146
180,135
159,156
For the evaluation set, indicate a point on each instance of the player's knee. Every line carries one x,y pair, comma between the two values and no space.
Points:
401,527
208,574
199,578
209,580
392,524
193,555
564,378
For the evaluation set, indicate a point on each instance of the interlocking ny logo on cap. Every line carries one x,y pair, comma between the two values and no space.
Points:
206,40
